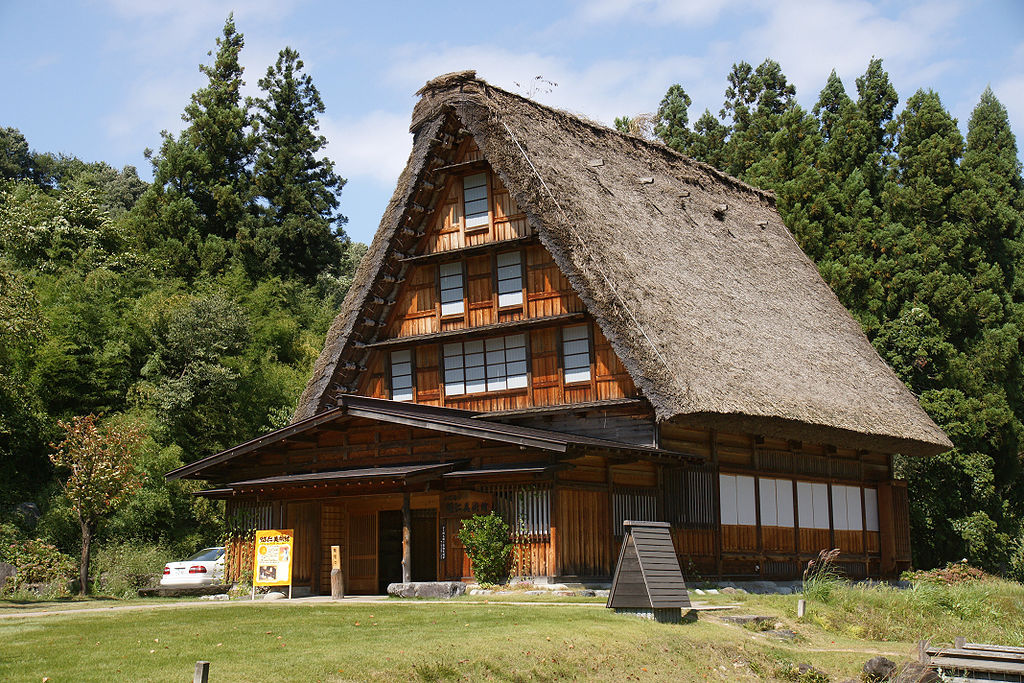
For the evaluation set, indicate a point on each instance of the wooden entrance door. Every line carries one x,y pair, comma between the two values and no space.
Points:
424,545
304,519
389,549
362,552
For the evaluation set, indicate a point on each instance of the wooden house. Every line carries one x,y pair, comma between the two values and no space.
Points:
575,327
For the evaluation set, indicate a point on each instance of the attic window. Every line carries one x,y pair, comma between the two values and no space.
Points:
510,279
576,353
474,194
451,288
401,375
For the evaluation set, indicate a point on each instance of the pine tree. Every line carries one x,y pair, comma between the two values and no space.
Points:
952,332
672,121
299,230
756,99
707,142
876,103
201,191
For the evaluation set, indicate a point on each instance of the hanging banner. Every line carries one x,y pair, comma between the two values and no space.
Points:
272,559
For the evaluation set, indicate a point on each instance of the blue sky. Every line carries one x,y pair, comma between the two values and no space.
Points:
99,79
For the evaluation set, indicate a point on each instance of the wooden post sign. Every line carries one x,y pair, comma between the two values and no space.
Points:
337,580
272,559
648,582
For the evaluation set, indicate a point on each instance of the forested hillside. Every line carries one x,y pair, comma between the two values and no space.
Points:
919,232
192,306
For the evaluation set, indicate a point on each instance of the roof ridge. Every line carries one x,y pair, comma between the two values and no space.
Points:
460,78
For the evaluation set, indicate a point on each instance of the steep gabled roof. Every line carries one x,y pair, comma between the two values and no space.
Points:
704,294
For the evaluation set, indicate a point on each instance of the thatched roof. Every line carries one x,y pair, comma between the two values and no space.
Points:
706,297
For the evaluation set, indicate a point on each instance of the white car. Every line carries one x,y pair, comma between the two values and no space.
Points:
204,568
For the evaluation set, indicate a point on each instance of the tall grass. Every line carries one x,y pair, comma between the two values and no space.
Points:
989,611
121,569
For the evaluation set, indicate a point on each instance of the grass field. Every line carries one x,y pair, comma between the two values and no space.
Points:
478,640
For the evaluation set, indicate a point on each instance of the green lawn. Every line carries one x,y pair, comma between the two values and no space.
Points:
474,639
438,641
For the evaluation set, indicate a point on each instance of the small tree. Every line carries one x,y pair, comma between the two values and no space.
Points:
102,473
488,546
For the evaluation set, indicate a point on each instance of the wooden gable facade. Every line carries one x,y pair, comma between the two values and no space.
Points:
468,373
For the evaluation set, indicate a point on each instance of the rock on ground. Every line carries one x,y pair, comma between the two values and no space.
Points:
427,589
878,669
182,591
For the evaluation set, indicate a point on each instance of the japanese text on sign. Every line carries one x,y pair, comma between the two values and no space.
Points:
272,558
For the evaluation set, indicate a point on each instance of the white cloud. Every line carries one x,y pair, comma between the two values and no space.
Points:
653,11
601,90
375,145
810,39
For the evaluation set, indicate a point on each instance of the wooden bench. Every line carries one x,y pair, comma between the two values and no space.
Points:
975,661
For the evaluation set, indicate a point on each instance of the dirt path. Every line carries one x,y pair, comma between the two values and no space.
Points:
320,599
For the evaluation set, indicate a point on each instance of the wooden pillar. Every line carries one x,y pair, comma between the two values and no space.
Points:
716,500
406,538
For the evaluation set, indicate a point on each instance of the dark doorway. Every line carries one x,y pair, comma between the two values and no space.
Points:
389,547
424,545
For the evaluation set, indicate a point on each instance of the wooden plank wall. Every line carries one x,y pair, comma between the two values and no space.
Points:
304,519
546,381
585,520
333,528
447,230
763,550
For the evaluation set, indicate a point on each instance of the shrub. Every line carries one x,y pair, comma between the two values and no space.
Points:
37,563
952,574
1016,568
488,546
121,569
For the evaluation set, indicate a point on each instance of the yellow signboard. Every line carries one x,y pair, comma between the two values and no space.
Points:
272,559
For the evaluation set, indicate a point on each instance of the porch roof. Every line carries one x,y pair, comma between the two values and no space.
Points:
405,473
446,420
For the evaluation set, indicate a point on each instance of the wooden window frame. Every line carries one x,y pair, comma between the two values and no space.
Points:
487,392
590,357
440,291
497,282
467,229
412,375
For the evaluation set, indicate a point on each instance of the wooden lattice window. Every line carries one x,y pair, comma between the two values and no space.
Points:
510,279
636,504
526,510
690,497
474,193
401,375
576,353
452,290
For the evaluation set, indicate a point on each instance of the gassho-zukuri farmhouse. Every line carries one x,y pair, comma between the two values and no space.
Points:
574,327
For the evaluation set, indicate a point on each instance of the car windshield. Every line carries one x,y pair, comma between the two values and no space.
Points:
208,555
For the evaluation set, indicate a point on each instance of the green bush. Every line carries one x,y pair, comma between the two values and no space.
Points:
1015,570
488,546
953,573
37,563
121,569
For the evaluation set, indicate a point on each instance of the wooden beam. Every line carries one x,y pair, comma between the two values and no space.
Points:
406,538
482,330
468,251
